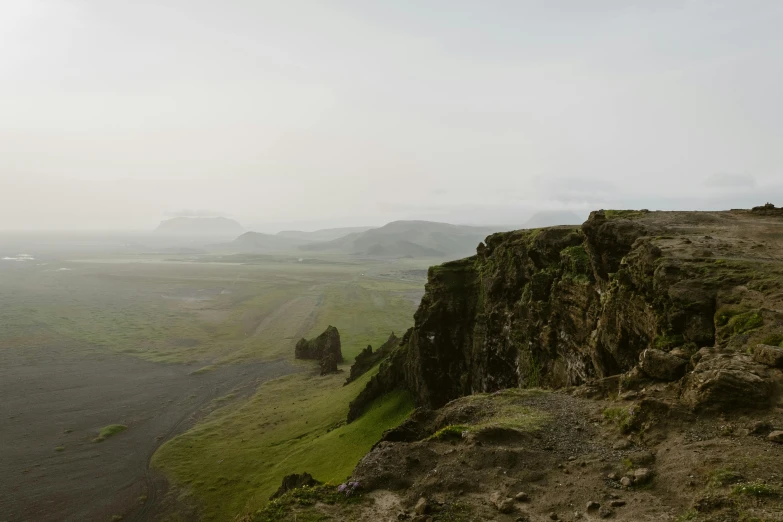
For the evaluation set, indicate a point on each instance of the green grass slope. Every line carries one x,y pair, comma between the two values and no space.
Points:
233,461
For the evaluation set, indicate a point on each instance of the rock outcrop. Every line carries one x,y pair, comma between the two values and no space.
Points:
724,381
295,481
769,355
367,358
564,306
661,365
325,348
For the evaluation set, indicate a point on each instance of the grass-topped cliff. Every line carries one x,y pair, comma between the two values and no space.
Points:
564,306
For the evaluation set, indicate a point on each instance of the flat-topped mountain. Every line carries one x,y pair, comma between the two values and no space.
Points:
200,227
409,239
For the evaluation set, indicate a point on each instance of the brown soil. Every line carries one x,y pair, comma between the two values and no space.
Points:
53,406
566,461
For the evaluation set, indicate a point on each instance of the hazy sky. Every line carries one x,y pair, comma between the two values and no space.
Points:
117,113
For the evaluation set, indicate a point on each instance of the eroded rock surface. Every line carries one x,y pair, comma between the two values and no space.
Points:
565,306
325,348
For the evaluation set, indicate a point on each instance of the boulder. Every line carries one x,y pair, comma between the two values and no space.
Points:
661,365
728,381
295,481
642,476
768,355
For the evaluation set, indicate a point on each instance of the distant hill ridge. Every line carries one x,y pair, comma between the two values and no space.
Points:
326,234
267,243
200,226
408,239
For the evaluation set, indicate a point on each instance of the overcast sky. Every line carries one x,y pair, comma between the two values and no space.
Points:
117,114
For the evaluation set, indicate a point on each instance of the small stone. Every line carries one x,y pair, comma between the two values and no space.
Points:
612,476
577,515
592,505
617,503
521,497
571,458
626,482
506,505
422,506
776,436
622,445
629,396
759,427
605,513
642,476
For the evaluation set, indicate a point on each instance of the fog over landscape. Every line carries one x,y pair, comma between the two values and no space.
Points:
373,260
309,115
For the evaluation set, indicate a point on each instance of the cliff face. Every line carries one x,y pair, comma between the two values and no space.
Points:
566,305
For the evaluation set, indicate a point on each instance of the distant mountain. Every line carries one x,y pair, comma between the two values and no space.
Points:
213,227
258,242
327,234
551,218
409,239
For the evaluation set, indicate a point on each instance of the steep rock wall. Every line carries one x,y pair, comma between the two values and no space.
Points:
562,306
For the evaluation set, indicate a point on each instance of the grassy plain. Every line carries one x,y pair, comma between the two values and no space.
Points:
185,311
214,312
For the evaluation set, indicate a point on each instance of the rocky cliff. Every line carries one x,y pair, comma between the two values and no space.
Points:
563,306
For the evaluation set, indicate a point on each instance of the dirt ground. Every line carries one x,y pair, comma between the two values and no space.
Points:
53,405
575,458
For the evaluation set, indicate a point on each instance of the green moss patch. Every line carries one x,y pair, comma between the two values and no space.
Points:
110,431
723,477
449,432
576,260
756,489
745,322
624,214
668,341
621,417
773,340
505,410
